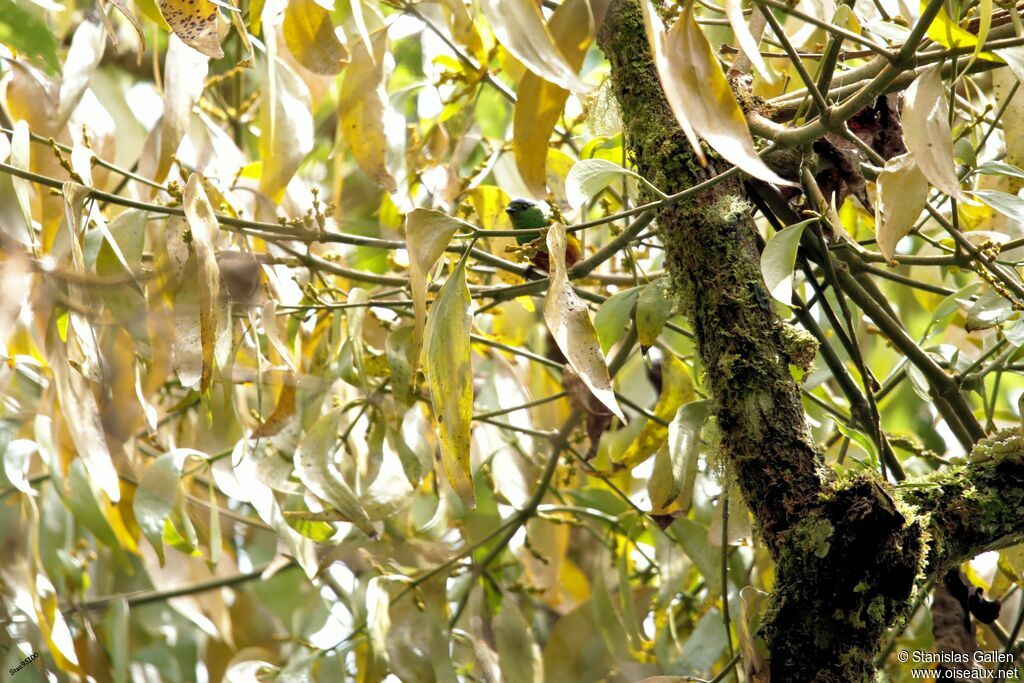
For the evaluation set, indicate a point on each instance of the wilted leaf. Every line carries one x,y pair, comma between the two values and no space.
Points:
362,107
539,103
310,36
427,234
84,55
902,194
589,177
203,225
926,131
195,22
748,44
390,490
676,389
518,654
699,94
185,72
286,126
778,259
450,376
573,331
520,28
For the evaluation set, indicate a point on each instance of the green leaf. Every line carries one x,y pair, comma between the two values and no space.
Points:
27,33
859,438
613,316
778,259
989,310
157,494
654,307
675,471
450,377
518,654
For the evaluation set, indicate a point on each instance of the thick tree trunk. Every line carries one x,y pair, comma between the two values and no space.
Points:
847,558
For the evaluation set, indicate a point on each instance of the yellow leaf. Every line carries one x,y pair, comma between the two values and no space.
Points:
902,193
539,102
573,330
450,376
195,22
203,225
946,32
150,10
926,131
519,27
362,108
427,234
310,37
676,389
286,124
699,94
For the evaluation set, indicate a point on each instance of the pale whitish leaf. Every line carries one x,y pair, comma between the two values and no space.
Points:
363,108
16,460
926,130
682,454
21,159
450,376
613,315
520,28
676,389
989,310
83,57
390,490
1010,205
378,620
700,96
195,22
310,36
1000,168
203,224
539,103
571,327
778,258
13,283
752,603
313,464
185,72
157,492
747,42
5,147
427,234
518,654
653,309
902,195
286,127
55,630
129,15
1015,334
589,177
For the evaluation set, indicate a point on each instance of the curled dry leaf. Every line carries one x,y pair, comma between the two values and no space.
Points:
902,194
519,27
539,102
362,107
195,22
573,330
450,376
700,95
926,131
203,225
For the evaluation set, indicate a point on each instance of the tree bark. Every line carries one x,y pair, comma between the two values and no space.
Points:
850,552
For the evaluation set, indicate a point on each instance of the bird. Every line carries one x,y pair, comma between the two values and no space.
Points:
527,215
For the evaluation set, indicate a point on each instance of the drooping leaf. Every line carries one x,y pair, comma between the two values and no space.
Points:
185,72
195,22
314,465
16,459
390,490
157,493
613,315
518,654
286,127
427,234
1010,205
654,307
450,377
990,309
520,28
539,103
362,108
676,389
681,455
569,321
310,36
902,194
944,31
202,223
747,43
926,131
699,94
84,55
778,259
378,619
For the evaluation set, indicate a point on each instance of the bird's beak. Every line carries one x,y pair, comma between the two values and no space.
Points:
508,210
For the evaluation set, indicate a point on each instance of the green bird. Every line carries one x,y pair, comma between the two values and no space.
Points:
527,215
